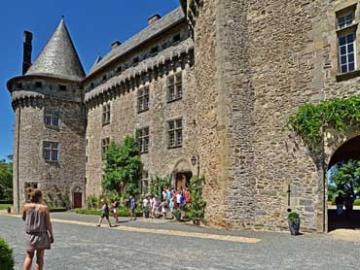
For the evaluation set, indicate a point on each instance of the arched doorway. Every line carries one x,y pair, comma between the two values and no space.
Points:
77,197
343,215
182,174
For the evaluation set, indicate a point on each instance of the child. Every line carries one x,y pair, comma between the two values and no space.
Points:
104,213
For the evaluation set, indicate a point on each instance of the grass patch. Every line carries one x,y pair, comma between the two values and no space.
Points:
122,212
5,206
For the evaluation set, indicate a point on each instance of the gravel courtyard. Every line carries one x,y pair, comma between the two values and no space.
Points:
83,246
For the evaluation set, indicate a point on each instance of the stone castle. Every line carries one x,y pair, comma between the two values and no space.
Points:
208,90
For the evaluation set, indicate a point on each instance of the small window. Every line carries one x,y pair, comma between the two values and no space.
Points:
345,19
143,99
51,119
38,85
347,52
51,151
104,78
118,69
143,139
104,146
19,86
176,38
175,133
174,87
106,114
62,87
154,50
92,85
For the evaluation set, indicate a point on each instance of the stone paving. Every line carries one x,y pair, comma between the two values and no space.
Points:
81,247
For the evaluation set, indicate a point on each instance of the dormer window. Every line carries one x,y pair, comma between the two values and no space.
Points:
104,78
19,86
118,69
62,87
38,85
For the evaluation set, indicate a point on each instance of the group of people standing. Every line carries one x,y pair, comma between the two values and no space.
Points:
171,199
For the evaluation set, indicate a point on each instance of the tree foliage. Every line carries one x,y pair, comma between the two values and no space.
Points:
337,114
347,177
6,180
158,183
197,206
6,258
122,167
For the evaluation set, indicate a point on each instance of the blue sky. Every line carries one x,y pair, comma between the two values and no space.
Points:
93,25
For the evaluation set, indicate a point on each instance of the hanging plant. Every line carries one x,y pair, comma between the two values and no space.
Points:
338,114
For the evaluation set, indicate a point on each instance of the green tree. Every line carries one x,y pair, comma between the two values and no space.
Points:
197,206
122,167
347,177
158,183
6,183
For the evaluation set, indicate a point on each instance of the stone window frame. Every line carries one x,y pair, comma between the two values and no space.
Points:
51,151
106,114
175,133
52,119
105,142
174,86
143,139
343,54
143,99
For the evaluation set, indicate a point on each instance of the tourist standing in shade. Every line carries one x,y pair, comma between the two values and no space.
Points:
38,228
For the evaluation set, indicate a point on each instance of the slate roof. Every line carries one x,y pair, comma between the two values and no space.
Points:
151,31
59,57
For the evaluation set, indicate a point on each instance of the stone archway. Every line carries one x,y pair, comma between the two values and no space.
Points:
182,174
346,150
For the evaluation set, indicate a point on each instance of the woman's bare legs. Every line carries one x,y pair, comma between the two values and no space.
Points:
40,259
28,261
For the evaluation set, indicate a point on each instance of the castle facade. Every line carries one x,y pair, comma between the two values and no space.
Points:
207,89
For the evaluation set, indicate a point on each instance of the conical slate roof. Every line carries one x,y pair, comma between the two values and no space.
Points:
59,57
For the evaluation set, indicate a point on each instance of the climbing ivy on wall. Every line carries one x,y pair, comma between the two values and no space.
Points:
338,114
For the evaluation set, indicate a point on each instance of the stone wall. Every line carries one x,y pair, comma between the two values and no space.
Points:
255,64
125,120
52,177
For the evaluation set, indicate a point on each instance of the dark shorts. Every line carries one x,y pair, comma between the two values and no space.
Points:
105,215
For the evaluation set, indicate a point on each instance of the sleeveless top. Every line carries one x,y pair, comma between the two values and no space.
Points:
37,235
35,221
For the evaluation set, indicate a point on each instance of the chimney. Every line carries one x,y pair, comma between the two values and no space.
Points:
115,44
28,36
153,19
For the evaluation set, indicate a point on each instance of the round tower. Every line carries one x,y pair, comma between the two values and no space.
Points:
49,140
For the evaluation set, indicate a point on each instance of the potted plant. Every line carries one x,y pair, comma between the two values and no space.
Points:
294,223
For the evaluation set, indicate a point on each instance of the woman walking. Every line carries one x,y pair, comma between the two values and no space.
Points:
104,213
38,228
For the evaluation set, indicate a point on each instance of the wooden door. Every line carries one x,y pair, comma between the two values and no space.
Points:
77,199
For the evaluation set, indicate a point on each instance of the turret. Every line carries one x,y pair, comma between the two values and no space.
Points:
49,144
